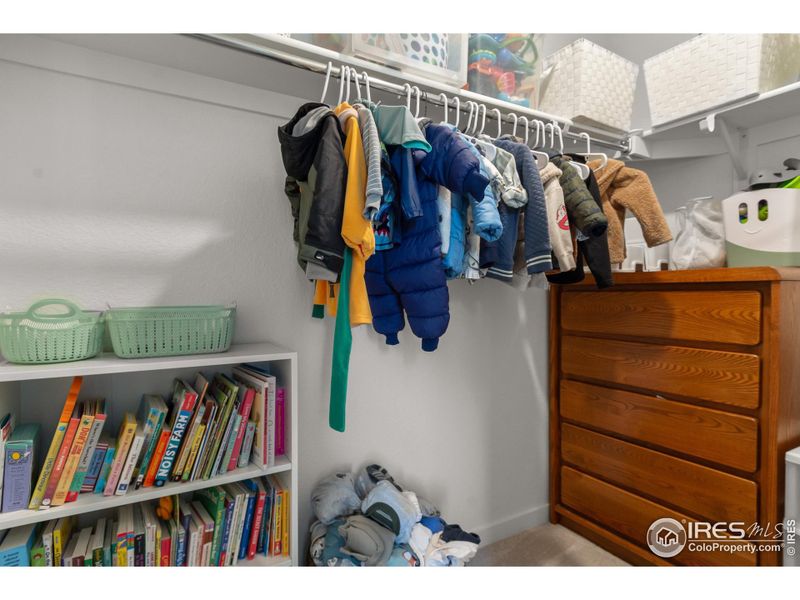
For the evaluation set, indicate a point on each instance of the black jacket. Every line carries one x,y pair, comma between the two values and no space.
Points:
315,185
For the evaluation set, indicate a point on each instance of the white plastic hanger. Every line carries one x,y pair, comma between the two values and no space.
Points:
516,118
483,121
366,86
589,155
443,98
407,88
472,106
582,169
327,81
418,92
498,115
457,100
342,74
355,78
525,119
541,158
348,72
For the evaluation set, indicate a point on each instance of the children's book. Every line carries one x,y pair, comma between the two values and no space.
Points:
37,549
6,427
61,536
95,465
152,412
127,430
263,410
61,458
105,469
280,419
55,444
20,460
47,542
158,454
97,541
247,444
126,476
184,399
98,410
75,452
213,500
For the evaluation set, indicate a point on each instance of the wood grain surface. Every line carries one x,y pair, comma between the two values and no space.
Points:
732,317
700,490
710,375
717,436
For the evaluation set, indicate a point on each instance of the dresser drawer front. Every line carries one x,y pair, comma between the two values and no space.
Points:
713,435
723,377
630,515
732,317
711,494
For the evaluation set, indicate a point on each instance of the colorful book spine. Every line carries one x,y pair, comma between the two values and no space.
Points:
226,532
280,414
88,454
105,470
130,462
184,399
73,457
248,522
255,530
127,430
277,523
55,444
247,444
285,530
186,447
20,459
166,547
193,452
227,457
155,410
61,460
61,535
158,453
93,472
246,409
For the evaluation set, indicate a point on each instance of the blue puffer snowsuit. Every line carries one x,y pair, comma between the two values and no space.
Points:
411,276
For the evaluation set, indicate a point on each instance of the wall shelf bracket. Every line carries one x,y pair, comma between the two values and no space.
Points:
731,138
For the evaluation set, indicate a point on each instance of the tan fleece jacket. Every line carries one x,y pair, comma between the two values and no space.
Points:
622,189
557,221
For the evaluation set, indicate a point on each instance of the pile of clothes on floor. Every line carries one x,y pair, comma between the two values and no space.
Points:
370,520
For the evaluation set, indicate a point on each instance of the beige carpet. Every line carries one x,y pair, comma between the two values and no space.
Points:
547,546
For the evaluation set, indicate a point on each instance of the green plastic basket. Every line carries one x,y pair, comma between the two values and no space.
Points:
170,330
39,337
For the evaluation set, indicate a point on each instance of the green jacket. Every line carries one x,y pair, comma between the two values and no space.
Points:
582,210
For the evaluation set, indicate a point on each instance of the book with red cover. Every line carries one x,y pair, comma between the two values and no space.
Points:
61,459
161,447
244,410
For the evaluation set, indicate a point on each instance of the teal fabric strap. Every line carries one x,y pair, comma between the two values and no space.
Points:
342,343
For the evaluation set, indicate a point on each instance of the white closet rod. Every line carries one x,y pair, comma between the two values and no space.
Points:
388,86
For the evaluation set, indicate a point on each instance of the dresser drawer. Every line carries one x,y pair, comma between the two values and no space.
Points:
713,435
711,494
732,317
630,516
723,377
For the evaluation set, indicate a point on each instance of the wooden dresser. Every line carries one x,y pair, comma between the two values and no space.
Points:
673,394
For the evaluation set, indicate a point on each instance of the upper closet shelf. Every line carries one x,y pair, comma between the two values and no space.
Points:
749,112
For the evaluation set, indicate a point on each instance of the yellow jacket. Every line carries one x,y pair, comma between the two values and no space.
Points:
356,230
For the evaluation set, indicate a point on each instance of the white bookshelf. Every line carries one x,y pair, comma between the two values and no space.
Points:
36,393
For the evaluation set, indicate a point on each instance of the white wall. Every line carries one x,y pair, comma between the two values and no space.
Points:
128,183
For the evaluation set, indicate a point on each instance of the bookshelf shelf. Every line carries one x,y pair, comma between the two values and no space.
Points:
35,394
93,502
108,363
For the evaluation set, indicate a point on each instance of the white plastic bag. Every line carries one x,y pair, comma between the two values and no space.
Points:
700,243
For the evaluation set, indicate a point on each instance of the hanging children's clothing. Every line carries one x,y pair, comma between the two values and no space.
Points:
622,189
313,156
372,155
537,238
583,212
409,278
356,230
592,250
557,219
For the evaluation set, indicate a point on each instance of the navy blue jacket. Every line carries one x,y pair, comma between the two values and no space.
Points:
410,277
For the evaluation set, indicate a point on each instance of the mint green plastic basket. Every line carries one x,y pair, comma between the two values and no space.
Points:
170,330
39,337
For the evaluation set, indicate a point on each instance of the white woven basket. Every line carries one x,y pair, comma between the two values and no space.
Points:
590,84
715,69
